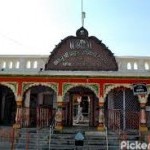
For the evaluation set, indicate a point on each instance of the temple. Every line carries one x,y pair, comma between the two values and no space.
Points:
114,91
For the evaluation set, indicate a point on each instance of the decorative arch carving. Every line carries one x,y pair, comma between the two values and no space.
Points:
12,86
53,86
93,87
81,53
110,87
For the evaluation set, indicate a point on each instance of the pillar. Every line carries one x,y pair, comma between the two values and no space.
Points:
101,123
18,119
59,114
26,109
142,117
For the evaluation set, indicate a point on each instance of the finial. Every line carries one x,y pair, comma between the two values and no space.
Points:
82,14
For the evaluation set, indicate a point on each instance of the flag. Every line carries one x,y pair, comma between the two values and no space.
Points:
83,15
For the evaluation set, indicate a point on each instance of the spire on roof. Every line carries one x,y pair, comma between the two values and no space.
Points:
82,33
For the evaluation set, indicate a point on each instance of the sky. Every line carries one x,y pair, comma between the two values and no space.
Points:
34,27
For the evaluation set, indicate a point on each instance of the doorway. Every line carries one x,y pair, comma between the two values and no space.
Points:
81,106
81,110
122,101
40,102
7,106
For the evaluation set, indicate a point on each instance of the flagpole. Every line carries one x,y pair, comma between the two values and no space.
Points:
82,17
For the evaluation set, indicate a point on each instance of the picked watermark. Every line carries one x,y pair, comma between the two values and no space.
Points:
129,145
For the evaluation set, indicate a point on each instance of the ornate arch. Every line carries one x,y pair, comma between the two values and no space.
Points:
12,86
93,87
110,87
28,85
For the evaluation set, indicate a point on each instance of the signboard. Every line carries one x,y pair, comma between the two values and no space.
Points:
139,89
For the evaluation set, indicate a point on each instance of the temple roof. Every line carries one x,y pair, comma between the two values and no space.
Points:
81,53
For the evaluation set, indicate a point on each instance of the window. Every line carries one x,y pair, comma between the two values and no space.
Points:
28,64
135,66
35,64
146,66
129,67
17,65
10,65
4,65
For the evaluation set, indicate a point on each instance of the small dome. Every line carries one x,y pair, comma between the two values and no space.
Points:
82,32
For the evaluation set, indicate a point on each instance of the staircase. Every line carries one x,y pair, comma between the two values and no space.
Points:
94,140
33,139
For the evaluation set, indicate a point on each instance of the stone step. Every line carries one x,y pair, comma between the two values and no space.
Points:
72,141
39,147
5,145
42,140
85,148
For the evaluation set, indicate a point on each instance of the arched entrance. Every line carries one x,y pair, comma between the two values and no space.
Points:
7,106
120,102
76,98
39,105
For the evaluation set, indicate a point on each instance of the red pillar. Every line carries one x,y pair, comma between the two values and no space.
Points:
101,123
59,114
18,119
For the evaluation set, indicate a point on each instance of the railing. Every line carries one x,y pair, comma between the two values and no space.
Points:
132,120
38,117
27,139
129,63
32,63
51,128
113,120
106,134
22,62
43,117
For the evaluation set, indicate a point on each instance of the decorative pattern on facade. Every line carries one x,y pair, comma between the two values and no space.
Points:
27,85
109,87
11,85
93,87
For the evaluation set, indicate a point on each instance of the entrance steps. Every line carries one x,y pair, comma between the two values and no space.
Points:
94,140
32,139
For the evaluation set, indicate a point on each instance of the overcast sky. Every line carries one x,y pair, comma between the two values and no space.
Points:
36,26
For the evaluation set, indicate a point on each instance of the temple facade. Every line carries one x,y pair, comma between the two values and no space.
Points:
114,91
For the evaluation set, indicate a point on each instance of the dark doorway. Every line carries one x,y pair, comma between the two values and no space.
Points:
7,106
85,104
